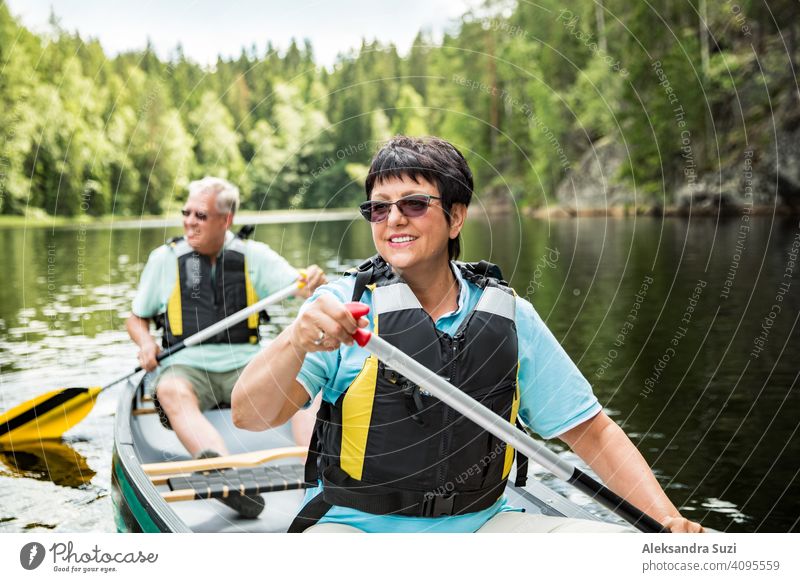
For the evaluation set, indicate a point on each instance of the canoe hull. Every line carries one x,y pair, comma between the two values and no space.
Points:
132,514
138,507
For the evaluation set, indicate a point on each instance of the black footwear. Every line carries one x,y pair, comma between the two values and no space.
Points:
247,506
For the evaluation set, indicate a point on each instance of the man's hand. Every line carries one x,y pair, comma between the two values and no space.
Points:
147,356
313,277
139,330
682,525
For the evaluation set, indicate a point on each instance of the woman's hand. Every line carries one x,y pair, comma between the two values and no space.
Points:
607,450
313,277
324,326
680,524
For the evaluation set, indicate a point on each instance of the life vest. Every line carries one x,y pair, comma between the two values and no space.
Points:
387,446
199,299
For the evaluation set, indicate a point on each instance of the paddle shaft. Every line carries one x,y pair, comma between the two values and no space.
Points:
502,429
64,408
213,330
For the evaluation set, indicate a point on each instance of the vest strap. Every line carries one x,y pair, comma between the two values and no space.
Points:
480,271
338,488
366,272
362,280
315,446
310,514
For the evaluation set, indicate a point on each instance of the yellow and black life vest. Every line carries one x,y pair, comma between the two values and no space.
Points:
386,446
202,296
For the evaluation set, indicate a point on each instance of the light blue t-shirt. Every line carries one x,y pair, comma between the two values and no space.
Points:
269,272
554,396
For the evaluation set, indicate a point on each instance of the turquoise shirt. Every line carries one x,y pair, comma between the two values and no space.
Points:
269,272
554,396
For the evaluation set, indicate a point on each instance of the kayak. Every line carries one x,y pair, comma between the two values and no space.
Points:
157,487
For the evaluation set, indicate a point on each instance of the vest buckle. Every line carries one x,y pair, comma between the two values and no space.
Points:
413,396
436,505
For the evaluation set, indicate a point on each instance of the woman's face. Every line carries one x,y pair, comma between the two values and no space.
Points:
419,242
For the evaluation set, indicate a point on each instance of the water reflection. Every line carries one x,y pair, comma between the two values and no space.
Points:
54,461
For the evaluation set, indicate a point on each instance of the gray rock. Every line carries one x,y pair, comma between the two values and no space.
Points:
781,165
765,176
732,188
593,184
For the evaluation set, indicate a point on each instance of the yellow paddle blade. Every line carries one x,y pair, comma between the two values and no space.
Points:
47,416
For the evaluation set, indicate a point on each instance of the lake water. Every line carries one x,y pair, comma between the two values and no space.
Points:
687,329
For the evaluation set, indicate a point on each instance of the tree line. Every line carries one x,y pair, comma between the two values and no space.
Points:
524,89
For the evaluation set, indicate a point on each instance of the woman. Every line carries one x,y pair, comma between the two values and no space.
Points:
382,445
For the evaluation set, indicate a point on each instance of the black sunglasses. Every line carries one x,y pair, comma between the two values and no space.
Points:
201,216
412,206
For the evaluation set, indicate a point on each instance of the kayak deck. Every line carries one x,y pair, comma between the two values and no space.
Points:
141,439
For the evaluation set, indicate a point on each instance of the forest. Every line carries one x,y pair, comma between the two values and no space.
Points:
523,89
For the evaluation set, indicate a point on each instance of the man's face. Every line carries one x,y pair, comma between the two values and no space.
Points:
203,226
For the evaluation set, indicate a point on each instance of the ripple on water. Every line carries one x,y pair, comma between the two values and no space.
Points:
75,472
34,326
728,509
36,525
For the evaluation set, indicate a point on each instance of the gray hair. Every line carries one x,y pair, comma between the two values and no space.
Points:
227,195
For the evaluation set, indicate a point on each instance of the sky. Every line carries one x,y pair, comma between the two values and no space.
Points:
207,28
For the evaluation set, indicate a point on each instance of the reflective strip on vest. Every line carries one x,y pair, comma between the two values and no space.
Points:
181,247
497,302
237,245
395,297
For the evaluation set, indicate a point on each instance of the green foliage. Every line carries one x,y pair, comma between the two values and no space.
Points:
409,117
523,89
216,142
293,164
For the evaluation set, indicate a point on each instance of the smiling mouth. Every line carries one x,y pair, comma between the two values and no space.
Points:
402,239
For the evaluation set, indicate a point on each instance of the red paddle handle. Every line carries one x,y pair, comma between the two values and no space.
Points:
358,310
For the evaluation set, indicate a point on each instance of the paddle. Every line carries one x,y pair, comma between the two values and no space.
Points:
48,416
497,425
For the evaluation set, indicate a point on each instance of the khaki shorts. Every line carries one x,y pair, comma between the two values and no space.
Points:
211,388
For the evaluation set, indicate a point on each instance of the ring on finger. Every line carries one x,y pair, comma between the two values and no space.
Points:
320,338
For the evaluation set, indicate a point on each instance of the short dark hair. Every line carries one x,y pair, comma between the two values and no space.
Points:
431,158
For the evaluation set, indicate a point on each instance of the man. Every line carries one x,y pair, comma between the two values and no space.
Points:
191,283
